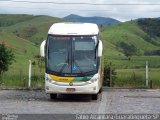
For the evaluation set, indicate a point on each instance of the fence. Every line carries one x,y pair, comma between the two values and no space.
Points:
18,77
121,77
134,78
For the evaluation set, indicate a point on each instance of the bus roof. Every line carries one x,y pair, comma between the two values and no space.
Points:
74,29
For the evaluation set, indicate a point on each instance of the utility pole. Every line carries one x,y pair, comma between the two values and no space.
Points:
30,68
110,74
146,73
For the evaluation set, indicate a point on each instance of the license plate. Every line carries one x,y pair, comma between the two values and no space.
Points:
70,89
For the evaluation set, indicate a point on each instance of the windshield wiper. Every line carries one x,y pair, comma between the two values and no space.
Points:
67,63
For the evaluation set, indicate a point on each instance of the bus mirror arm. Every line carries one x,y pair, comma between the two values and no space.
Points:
100,48
42,48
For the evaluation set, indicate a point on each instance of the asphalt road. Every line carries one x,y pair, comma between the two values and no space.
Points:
111,101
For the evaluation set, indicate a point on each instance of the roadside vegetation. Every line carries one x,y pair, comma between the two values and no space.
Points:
126,45
135,78
128,50
6,59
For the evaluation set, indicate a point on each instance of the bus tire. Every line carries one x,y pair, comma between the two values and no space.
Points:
100,91
53,96
94,96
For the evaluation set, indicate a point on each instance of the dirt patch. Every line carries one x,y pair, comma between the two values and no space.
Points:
6,44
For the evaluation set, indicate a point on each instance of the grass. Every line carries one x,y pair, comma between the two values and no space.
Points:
19,78
130,73
40,23
122,62
128,32
131,33
135,78
18,72
23,49
11,19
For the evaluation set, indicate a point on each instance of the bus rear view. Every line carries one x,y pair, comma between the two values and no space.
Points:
73,57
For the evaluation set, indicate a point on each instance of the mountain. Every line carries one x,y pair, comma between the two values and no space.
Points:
98,20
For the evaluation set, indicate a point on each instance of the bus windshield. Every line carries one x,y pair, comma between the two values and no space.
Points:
72,55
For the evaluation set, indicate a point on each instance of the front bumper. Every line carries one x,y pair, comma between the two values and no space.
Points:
88,88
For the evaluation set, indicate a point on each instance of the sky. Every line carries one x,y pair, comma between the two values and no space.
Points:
123,10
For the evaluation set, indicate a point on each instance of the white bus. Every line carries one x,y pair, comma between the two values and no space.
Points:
73,58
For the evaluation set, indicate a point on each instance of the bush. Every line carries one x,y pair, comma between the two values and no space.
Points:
6,58
154,52
150,26
29,32
106,78
128,49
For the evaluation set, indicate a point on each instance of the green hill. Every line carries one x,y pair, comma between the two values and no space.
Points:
152,28
11,19
34,30
130,33
24,33
24,50
115,39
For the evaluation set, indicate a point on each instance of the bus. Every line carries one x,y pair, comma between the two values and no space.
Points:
73,59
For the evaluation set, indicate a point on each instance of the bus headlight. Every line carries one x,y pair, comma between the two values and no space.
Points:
48,79
94,79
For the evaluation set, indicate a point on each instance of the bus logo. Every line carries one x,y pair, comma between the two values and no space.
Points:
71,84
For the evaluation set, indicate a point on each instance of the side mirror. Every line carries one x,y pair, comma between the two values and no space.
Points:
42,48
100,48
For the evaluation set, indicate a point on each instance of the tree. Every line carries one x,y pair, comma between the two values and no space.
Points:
128,49
6,58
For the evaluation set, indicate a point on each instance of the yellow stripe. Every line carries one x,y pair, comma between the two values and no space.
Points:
61,79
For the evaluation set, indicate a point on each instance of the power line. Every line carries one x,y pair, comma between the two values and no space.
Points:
90,10
81,3
56,9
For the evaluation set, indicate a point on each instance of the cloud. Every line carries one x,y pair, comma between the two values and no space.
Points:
121,12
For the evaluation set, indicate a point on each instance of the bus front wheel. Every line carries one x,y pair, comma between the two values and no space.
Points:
53,96
94,96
